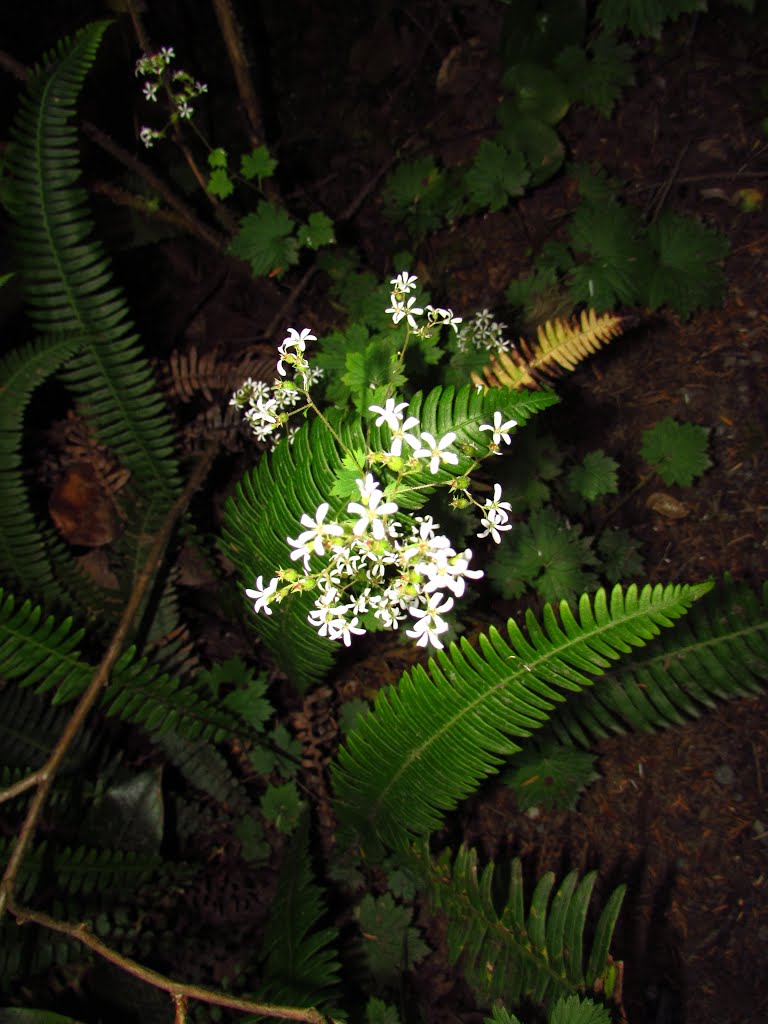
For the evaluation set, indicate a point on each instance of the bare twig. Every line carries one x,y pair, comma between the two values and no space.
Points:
223,215
185,213
47,773
231,34
178,990
28,782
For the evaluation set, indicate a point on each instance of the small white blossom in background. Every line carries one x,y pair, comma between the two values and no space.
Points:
266,408
499,431
403,308
436,451
482,332
496,516
181,90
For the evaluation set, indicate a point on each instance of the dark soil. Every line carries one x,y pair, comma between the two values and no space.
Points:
680,814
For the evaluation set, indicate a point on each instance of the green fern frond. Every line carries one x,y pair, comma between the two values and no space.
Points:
300,963
67,276
269,502
44,654
513,953
206,770
29,730
430,741
720,651
38,651
30,552
83,871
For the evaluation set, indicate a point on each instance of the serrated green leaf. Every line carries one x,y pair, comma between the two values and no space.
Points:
597,75
496,176
547,555
687,275
390,943
217,158
612,235
620,555
579,1010
595,476
257,164
677,451
345,484
282,806
220,183
253,845
377,366
318,231
643,17
551,776
265,240
500,1015
379,1012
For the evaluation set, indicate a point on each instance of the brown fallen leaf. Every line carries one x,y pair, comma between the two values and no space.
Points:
81,509
666,505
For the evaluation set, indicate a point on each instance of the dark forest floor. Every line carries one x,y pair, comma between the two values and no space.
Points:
682,813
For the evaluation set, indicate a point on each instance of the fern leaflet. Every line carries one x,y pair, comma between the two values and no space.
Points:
430,741
513,955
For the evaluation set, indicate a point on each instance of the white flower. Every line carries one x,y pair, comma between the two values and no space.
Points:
402,433
390,413
443,316
403,283
167,53
297,342
448,570
344,630
499,428
369,509
185,111
400,309
312,540
430,625
261,595
435,450
150,91
495,508
148,136
493,528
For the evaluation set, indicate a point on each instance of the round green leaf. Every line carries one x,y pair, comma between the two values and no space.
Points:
537,92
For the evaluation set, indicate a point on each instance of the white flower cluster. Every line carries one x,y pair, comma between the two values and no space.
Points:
403,308
483,332
182,89
380,567
375,568
267,406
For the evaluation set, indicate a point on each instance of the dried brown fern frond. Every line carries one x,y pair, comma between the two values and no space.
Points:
560,345
215,372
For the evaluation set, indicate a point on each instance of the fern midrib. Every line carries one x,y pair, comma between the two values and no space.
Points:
86,327
504,936
681,653
503,684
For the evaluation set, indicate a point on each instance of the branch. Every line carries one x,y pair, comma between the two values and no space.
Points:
45,775
231,33
178,990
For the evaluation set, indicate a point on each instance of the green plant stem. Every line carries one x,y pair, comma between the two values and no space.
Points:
225,218
179,991
335,436
45,775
